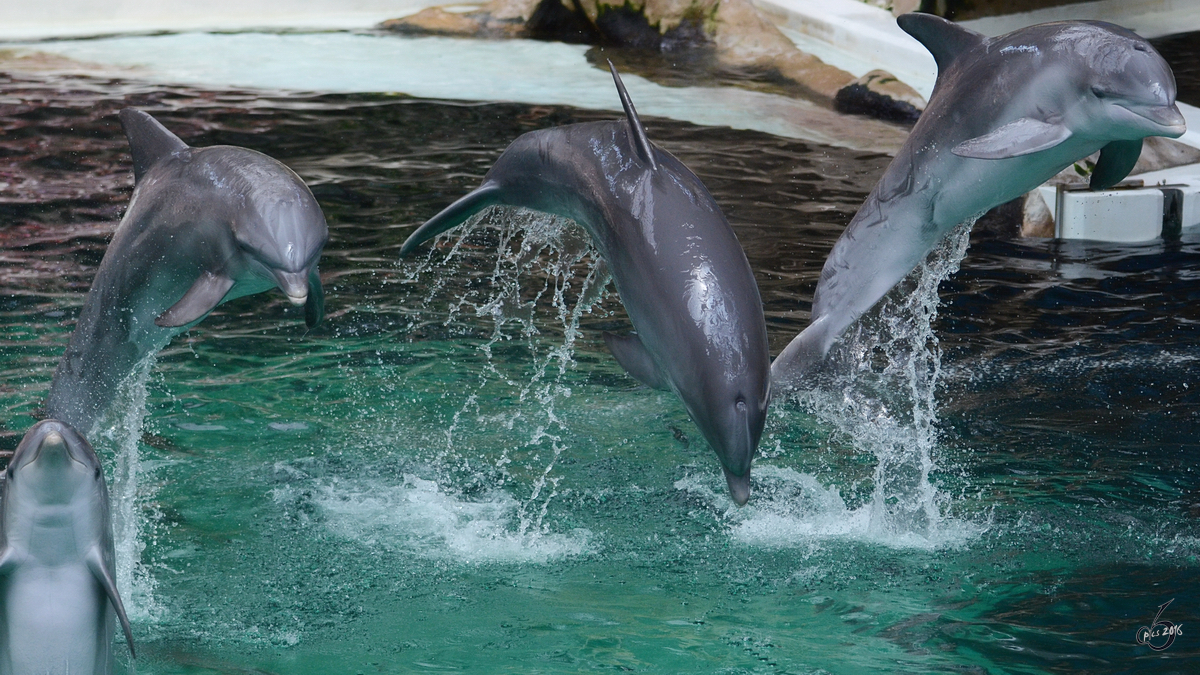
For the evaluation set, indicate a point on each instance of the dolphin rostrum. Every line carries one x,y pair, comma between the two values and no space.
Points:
58,594
677,265
204,226
1007,114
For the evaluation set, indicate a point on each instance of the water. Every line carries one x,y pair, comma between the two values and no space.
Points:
452,474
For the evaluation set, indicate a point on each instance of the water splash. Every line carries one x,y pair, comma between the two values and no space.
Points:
420,518
121,431
794,510
880,393
570,276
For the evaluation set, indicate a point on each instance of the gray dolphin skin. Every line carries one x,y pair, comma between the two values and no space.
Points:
1007,114
677,265
58,598
204,226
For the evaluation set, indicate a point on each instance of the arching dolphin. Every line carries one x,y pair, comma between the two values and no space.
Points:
58,596
1006,114
678,267
204,225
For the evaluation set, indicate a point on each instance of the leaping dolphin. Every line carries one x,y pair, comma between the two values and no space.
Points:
204,226
677,265
1007,114
58,594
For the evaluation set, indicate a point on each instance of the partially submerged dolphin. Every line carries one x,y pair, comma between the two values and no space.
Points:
204,226
58,594
677,265
1007,114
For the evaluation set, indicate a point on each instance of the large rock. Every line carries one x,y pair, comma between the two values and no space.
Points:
736,35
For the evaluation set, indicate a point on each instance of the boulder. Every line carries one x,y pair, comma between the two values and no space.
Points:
737,37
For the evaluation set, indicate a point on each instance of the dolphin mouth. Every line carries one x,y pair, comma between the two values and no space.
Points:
294,285
739,487
1167,117
53,442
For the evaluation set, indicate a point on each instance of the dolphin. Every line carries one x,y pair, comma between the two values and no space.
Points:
677,265
58,596
1006,114
204,226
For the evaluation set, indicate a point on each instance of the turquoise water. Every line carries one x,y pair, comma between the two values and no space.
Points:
452,474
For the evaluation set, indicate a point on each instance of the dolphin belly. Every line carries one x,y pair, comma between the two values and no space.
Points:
56,622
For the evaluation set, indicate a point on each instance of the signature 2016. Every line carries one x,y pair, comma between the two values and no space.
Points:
1161,633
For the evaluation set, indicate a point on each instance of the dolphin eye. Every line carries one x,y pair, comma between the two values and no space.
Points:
1099,93
97,473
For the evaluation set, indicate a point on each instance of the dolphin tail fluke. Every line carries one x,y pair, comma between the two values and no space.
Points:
640,141
1116,161
149,141
314,305
454,215
103,574
796,363
633,357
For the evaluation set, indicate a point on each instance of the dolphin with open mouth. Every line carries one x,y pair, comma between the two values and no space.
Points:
58,595
1007,114
204,226
678,268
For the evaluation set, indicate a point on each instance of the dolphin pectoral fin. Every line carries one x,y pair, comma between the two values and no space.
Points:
103,574
944,39
633,357
640,141
149,141
203,297
314,306
8,560
454,215
1019,137
795,363
1116,161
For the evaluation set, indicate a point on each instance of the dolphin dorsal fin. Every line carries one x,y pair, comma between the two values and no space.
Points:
149,141
640,142
944,39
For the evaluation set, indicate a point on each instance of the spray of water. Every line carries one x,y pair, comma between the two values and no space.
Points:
535,259
880,394
121,431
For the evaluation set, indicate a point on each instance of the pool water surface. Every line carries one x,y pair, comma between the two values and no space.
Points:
452,474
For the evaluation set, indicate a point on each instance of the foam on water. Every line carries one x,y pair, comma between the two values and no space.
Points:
794,510
418,517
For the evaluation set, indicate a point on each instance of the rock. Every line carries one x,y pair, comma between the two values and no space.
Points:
736,35
879,94
435,21
1036,219
899,7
